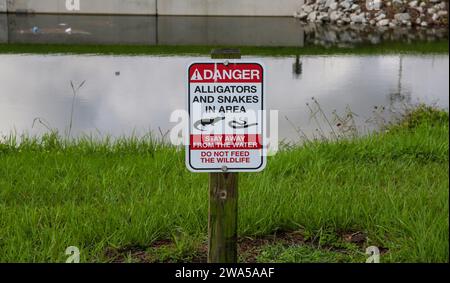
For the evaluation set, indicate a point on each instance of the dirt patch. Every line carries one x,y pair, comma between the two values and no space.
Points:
249,248
358,237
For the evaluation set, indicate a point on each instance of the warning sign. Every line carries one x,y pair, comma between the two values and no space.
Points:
226,120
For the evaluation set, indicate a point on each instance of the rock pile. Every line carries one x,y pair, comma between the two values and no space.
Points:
388,13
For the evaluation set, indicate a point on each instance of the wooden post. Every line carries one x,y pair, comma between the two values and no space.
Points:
223,199
222,217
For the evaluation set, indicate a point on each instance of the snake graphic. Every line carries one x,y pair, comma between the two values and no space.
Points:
207,122
240,125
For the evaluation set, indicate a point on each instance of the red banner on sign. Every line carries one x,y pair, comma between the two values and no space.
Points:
215,142
231,73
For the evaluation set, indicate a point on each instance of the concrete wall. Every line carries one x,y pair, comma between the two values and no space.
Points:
228,7
3,6
153,7
132,7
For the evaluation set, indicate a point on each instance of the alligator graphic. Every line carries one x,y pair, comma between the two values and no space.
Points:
206,122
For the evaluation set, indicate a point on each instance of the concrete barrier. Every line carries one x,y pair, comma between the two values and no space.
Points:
229,7
3,6
155,7
128,7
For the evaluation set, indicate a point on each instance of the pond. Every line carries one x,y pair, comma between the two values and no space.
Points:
190,30
123,95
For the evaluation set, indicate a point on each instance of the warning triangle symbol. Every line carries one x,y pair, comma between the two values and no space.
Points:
196,76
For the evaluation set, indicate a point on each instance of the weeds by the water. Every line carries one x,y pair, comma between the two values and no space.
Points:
74,92
419,47
343,125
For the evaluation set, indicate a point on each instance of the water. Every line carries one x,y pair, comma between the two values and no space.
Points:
184,30
123,95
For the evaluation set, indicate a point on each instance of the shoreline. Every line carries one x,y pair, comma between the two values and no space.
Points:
419,47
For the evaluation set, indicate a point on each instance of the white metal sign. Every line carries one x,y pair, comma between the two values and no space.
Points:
226,120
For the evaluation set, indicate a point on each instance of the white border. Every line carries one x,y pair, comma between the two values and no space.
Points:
263,132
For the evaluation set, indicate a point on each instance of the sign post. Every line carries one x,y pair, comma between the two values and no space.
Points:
225,105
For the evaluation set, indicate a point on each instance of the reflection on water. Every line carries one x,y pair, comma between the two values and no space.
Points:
126,94
183,30
352,35
151,30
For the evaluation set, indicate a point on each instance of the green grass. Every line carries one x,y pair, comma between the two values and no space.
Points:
392,186
419,47
305,254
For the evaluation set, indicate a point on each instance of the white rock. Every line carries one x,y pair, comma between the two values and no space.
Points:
392,25
335,15
329,2
431,11
323,17
312,16
357,19
383,22
346,4
333,6
423,4
419,9
413,4
405,23
442,5
435,17
307,9
354,7
302,15
377,4
380,17
424,24
418,21
402,17
442,13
